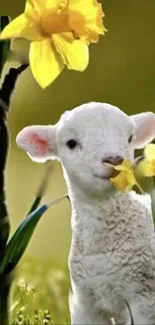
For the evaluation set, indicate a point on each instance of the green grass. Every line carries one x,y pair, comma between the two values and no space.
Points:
40,294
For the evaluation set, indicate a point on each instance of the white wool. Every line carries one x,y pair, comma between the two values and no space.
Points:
112,255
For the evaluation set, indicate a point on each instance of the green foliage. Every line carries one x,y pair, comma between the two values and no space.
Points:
17,245
19,241
40,294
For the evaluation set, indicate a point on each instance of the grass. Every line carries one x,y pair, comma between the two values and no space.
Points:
40,294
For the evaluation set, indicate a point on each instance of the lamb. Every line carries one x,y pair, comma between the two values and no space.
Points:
112,255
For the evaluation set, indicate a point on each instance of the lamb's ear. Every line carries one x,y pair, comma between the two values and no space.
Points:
38,141
145,129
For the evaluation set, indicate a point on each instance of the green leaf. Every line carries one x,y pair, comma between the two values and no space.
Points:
4,45
20,240
152,195
41,189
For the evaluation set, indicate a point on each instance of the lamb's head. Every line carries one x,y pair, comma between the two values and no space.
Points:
87,137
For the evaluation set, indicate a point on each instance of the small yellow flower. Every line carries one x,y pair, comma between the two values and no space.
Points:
125,180
149,153
60,32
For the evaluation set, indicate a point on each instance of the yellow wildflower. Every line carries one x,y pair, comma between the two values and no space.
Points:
149,153
60,32
125,180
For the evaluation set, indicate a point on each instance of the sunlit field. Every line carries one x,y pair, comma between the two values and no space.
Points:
40,293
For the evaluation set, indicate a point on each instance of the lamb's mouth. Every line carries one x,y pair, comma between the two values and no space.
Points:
112,173
103,177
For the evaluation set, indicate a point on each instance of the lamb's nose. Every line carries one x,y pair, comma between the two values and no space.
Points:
117,160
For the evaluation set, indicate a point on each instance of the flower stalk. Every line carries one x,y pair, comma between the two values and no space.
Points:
5,95
5,286
11,251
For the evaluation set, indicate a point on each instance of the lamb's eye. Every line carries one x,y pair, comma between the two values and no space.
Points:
71,144
130,139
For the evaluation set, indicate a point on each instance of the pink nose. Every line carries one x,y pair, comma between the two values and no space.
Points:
117,160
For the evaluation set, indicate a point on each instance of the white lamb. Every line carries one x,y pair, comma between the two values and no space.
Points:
112,256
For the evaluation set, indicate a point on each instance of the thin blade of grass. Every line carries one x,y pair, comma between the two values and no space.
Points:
130,312
152,194
41,189
20,240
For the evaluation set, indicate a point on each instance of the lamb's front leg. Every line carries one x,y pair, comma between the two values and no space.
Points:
143,310
83,313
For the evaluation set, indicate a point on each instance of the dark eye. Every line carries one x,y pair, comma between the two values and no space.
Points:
71,144
130,139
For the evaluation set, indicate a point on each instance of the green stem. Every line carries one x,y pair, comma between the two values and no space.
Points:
4,45
152,194
5,96
4,300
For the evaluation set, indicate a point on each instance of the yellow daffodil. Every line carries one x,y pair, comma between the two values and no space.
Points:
60,32
149,153
125,180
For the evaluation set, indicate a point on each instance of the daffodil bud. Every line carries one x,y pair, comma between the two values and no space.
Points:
140,174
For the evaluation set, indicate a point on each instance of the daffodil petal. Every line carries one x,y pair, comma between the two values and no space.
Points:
125,166
21,27
141,168
120,182
120,168
37,5
124,181
54,3
149,151
45,62
85,6
127,162
40,5
150,169
74,54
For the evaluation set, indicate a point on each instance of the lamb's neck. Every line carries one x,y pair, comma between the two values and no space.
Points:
98,225
99,209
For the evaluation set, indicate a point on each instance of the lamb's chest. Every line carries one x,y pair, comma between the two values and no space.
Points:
91,270
110,272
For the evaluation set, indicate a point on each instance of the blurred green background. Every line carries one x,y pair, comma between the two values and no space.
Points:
121,71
